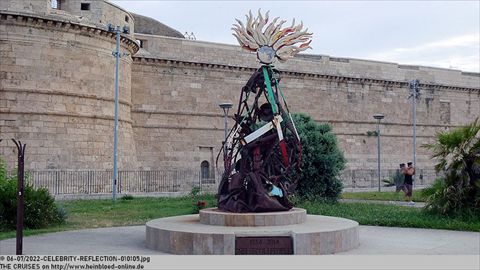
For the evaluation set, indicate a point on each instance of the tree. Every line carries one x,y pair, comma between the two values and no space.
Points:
322,160
458,155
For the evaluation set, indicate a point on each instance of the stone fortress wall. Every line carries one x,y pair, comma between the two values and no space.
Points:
178,83
57,74
56,85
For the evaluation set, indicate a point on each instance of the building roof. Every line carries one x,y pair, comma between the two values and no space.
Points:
146,25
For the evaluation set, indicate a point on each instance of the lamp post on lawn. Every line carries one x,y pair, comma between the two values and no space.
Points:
225,107
378,117
117,30
414,94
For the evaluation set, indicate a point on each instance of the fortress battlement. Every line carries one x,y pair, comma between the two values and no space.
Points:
177,49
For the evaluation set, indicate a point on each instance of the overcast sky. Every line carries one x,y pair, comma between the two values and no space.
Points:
431,33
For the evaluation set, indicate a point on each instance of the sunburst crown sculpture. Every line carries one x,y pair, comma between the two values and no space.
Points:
270,40
262,153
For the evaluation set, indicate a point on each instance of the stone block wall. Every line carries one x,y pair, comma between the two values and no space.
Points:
57,94
177,85
233,56
26,6
177,121
100,12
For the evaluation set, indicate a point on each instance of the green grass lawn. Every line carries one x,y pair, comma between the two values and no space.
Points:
82,214
391,216
105,213
382,196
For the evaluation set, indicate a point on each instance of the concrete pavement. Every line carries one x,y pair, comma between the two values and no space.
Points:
400,203
131,240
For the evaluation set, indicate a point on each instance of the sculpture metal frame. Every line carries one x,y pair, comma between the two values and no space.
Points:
263,152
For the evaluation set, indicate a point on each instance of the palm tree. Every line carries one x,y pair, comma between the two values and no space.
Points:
458,155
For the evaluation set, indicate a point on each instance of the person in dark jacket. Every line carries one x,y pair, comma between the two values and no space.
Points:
409,173
401,178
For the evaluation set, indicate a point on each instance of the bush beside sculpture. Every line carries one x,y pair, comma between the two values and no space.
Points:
40,208
458,155
322,160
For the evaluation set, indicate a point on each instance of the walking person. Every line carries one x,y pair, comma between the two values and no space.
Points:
400,176
409,173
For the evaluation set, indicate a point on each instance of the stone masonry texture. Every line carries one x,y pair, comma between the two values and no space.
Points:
57,94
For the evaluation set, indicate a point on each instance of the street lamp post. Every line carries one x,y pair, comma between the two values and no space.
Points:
378,117
225,107
414,95
117,30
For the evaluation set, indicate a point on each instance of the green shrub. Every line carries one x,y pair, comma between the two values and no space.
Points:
390,182
127,197
458,154
322,160
198,201
437,186
451,200
40,208
195,192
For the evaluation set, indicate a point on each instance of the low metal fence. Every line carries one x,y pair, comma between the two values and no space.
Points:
100,182
366,178
183,181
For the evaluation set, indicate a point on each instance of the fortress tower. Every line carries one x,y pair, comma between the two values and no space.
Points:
56,83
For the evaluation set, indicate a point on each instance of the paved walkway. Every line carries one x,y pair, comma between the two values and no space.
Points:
401,203
416,188
131,240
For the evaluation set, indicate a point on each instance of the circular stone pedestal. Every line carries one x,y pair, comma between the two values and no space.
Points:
214,232
214,216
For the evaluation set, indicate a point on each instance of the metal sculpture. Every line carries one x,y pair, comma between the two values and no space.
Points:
262,152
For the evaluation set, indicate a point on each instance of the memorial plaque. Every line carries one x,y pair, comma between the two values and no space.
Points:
264,245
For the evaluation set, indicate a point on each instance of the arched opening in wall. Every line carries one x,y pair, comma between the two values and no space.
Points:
205,174
205,169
